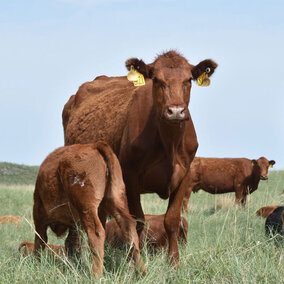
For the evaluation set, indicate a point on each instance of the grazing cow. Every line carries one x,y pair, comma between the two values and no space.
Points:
149,127
27,248
153,234
82,184
10,219
274,223
265,211
223,175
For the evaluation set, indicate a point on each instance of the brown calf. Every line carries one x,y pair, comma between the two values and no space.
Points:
153,234
265,211
82,184
27,248
223,175
149,128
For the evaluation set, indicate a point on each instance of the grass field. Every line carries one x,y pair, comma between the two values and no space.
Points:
226,244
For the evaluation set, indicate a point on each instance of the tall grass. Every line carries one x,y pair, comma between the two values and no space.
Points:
226,244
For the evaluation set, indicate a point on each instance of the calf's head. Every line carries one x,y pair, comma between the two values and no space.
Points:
172,78
262,164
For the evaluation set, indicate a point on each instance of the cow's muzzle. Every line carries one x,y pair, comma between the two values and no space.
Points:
176,114
263,177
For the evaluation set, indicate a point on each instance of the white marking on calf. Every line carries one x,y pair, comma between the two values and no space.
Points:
78,181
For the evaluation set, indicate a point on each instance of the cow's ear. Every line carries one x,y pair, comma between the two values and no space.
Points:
253,163
140,66
206,65
271,163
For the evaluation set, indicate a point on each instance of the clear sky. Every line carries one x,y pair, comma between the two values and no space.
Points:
49,48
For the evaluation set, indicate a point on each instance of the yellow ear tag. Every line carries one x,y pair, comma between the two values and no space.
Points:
203,80
270,166
135,77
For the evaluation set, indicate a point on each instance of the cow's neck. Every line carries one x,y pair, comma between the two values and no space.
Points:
171,136
255,179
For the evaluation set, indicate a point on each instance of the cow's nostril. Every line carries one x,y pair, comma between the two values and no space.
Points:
170,111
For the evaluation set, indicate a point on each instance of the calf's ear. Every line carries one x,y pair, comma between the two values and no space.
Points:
271,163
140,66
206,65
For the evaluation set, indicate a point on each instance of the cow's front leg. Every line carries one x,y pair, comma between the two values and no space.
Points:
186,199
240,195
133,199
172,220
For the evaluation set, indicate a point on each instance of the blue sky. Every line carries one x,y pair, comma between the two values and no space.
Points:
49,48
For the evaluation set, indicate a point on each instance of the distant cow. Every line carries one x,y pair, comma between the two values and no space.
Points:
265,211
223,175
82,184
27,248
275,223
153,234
148,127
10,219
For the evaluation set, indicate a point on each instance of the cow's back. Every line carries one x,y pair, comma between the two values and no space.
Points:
98,111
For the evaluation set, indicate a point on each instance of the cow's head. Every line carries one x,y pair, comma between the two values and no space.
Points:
172,78
263,164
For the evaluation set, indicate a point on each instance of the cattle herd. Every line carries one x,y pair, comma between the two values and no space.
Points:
123,140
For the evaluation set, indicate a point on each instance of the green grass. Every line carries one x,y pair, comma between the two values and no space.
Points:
17,174
225,244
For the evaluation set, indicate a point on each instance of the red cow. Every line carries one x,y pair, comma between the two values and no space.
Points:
149,128
223,175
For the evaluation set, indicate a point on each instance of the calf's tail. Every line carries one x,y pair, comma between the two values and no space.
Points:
113,165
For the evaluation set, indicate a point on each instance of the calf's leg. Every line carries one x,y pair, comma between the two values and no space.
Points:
96,238
40,220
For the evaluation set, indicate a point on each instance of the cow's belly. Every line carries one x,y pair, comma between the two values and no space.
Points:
217,188
156,178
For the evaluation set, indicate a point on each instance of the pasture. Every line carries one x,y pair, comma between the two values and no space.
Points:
226,244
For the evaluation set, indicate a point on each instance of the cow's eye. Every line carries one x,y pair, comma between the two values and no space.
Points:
155,80
159,82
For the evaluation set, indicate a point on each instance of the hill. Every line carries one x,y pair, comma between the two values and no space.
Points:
17,174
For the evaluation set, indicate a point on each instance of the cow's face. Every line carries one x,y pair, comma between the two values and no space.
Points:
172,78
263,165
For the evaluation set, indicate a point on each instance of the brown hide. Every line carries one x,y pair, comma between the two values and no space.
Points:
80,185
149,128
153,234
223,175
265,211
